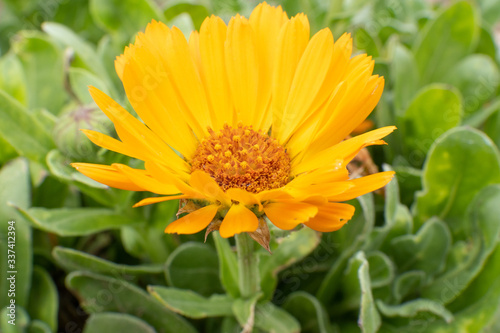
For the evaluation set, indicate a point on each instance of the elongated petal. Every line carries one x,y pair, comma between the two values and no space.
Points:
364,185
310,74
345,150
106,175
244,197
134,134
212,38
288,214
242,69
153,200
206,185
193,222
238,219
331,217
142,179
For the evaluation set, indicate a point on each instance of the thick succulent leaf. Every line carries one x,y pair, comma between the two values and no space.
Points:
98,293
116,322
411,308
425,251
291,250
434,110
310,313
192,305
348,240
72,260
75,221
22,130
483,237
445,41
44,299
459,164
15,189
194,266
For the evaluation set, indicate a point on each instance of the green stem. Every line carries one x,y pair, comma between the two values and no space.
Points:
247,264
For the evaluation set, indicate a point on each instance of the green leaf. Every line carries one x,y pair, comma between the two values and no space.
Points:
197,12
83,50
432,112
348,240
273,319
124,18
483,235
43,63
404,77
244,311
486,43
194,266
192,305
21,320
228,265
407,284
364,41
99,293
426,251
445,41
12,78
38,326
459,164
59,167
75,221
116,322
381,269
369,318
477,77
15,188
80,79
309,312
291,250
71,260
411,308
44,299
22,130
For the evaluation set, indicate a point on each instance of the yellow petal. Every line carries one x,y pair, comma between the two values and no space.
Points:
112,144
308,79
106,175
238,219
134,134
151,93
345,150
212,38
163,174
153,200
288,214
193,222
142,179
292,42
266,22
331,217
186,78
244,197
242,69
203,183
364,185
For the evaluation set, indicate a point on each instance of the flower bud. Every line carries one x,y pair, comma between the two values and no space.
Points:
70,140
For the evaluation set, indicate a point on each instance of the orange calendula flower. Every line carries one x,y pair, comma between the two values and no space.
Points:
246,119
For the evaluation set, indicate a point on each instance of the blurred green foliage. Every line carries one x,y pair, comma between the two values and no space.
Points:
423,258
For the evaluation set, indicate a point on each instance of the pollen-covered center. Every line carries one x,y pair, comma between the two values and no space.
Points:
244,158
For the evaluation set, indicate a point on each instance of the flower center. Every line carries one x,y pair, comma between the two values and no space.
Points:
244,158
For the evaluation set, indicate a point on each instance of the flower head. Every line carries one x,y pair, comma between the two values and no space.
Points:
246,119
